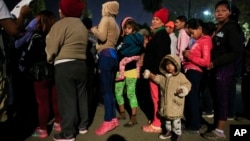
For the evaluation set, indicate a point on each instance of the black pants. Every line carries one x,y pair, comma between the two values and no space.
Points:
71,80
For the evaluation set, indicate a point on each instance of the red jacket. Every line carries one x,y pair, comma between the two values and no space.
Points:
199,55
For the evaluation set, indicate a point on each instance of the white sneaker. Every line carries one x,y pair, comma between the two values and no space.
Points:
168,135
83,131
208,115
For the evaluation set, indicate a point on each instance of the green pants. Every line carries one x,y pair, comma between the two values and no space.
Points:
130,90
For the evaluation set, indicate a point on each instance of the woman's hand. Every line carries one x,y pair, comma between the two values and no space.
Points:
185,53
210,66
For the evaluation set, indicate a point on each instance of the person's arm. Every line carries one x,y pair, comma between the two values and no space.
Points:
101,32
12,26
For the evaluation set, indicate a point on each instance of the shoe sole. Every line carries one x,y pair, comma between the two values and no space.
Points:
64,139
164,138
208,116
105,132
83,132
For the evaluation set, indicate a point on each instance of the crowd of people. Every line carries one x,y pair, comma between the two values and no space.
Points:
66,61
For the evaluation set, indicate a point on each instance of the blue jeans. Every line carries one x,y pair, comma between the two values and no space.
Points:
107,66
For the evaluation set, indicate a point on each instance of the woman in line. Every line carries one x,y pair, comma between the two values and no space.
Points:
33,63
107,32
66,46
226,50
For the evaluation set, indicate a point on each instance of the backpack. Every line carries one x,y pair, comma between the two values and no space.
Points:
91,50
34,59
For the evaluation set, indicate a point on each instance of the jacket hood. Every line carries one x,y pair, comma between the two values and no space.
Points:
125,20
110,8
173,58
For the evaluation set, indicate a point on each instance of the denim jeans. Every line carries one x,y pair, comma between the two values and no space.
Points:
107,66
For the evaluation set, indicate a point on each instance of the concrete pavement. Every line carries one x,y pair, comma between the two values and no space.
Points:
132,134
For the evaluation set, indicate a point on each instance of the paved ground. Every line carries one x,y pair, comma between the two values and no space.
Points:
23,125
132,134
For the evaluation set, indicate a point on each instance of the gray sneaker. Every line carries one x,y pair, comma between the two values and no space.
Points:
213,135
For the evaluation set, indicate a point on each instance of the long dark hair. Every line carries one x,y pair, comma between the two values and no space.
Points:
207,28
46,19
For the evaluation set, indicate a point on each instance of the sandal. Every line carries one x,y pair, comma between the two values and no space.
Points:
121,116
151,129
130,123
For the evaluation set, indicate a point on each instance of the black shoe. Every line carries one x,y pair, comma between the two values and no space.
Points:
130,123
63,137
176,137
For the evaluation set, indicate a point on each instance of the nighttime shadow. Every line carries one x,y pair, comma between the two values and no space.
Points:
22,125
205,124
94,96
144,97
116,137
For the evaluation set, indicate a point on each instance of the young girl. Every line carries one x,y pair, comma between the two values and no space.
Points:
196,59
131,72
34,64
130,48
174,87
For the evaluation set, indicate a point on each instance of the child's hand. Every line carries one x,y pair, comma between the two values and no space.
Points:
146,74
185,53
179,91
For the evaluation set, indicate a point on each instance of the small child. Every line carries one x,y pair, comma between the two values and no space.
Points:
174,87
131,47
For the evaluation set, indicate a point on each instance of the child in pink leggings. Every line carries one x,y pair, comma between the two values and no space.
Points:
123,63
131,47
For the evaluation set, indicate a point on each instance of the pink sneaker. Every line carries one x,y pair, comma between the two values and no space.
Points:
115,122
105,127
57,127
40,133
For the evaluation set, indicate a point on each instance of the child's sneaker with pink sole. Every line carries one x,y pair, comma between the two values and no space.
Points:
40,133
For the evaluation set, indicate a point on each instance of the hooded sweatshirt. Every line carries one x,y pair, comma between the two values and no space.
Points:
172,106
107,32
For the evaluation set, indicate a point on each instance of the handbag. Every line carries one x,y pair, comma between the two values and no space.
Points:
41,70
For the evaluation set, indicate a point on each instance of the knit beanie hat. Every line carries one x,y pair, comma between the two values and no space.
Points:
110,8
71,8
125,20
170,24
162,14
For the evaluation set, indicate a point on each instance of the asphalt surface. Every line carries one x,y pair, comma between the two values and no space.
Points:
134,133
22,126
